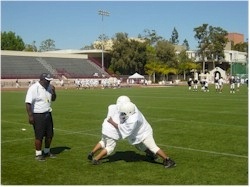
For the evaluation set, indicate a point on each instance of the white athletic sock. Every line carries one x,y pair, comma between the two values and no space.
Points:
38,152
46,150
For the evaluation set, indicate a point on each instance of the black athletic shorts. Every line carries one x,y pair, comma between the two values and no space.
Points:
43,126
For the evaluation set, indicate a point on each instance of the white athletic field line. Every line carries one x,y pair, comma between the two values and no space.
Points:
195,122
175,147
204,151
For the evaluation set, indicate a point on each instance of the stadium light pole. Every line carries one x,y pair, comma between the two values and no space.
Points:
103,13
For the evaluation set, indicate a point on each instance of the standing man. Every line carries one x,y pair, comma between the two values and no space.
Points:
38,101
134,127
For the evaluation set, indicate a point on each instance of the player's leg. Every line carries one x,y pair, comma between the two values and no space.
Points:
49,135
149,142
100,145
149,154
39,129
110,145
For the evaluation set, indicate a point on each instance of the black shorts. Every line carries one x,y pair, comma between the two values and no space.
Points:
43,126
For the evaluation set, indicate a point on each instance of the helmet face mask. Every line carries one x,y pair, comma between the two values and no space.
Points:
123,117
126,109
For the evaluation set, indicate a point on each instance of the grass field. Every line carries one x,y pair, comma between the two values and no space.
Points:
205,133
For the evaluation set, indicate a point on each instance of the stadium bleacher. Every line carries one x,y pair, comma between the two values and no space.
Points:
28,67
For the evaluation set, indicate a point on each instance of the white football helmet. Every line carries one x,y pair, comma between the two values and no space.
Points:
126,109
122,99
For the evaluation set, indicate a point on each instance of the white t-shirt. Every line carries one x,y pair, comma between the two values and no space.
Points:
221,81
39,98
108,129
136,128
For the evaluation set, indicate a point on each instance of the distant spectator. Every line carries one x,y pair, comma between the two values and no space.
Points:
17,84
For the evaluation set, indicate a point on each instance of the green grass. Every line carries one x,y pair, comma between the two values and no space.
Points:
205,133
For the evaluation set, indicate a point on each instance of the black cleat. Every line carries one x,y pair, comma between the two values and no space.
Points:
90,156
168,163
40,158
96,162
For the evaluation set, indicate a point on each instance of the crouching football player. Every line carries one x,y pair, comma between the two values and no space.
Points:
137,130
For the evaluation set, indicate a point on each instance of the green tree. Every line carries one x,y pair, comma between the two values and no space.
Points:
103,39
47,45
151,68
165,52
152,65
211,42
218,42
31,47
243,47
186,44
174,37
151,37
165,70
127,56
9,41
186,65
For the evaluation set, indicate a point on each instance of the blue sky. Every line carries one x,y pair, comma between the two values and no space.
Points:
73,25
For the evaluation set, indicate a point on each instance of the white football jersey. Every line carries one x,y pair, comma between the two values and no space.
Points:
108,129
136,128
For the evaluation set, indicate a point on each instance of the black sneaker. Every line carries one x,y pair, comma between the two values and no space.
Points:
90,156
168,163
40,158
96,162
50,155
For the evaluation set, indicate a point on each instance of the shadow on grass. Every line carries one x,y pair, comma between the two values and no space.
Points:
129,156
58,150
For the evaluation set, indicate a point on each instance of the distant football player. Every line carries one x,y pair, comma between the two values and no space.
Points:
232,84
206,85
216,84
135,128
221,82
195,87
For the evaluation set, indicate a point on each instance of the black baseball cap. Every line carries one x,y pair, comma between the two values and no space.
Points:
46,76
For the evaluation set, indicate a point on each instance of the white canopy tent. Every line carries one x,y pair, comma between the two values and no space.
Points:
136,76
